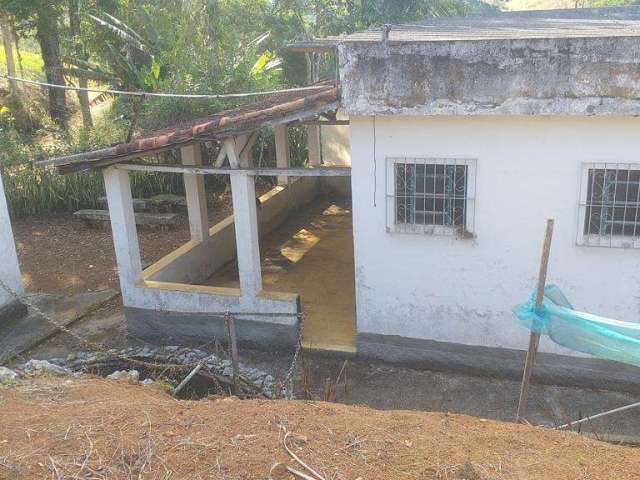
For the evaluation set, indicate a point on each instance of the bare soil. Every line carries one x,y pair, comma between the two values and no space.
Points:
97,428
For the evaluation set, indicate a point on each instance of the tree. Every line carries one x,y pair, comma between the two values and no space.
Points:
78,48
48,36
44,15
21,116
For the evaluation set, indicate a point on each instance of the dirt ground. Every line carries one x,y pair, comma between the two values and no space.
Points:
63,255
97,428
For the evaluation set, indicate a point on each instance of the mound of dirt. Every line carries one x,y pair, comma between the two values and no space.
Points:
96,428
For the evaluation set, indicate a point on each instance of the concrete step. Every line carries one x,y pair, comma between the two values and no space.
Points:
139,204
148,220
167,202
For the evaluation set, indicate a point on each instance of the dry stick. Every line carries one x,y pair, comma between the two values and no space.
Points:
603,414
231,328
534,338
187,379
297,459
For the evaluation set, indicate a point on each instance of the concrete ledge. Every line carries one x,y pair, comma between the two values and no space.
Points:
171,328
550,369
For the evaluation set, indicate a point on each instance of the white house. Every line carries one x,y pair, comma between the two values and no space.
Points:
466,134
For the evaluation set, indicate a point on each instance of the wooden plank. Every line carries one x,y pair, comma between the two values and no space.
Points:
534,338
269,172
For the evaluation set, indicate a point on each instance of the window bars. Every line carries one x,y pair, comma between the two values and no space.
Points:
431,196
609,208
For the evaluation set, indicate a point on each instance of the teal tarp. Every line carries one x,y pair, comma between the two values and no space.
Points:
580,331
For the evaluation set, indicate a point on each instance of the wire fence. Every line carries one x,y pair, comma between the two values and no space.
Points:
286,389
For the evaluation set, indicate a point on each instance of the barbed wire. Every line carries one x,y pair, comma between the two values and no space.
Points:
162,94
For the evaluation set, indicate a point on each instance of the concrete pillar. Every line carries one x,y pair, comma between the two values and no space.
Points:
195,194
9,267
282,150
243,191
123,226
314,145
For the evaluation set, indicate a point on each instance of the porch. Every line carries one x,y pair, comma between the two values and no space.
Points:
311,254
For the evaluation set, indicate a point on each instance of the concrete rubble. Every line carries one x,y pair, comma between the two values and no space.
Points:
78,362
7,375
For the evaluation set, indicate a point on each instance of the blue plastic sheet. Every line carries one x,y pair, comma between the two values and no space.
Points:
580,331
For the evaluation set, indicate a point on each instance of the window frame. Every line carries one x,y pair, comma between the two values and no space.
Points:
392,226
602,240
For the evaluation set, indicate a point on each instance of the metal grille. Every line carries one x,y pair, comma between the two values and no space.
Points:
610,206
431,196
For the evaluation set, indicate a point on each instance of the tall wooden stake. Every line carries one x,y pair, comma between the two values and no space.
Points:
534,338
231,326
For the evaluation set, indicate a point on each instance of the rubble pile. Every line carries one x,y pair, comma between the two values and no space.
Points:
252,380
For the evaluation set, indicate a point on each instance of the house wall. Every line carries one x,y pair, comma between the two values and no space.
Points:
462,290
9,268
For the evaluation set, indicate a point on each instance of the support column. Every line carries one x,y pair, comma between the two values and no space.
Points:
314,145
245,217
195,194
9,267
123,226
282,150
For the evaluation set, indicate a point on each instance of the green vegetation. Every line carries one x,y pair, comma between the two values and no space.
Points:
191,46
32,64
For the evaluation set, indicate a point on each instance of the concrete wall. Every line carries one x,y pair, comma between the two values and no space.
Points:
9,268
541,76
462,290
196,261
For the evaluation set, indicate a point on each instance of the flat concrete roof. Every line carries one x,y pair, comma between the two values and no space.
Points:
494,28
529,24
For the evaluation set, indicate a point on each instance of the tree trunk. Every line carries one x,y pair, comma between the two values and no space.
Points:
22,118
49,40
212,37
83,97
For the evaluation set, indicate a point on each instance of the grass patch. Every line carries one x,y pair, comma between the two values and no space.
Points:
31,63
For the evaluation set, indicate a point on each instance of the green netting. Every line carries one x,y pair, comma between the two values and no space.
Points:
580,331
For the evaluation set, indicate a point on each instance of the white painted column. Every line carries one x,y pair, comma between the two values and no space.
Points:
243,191
314,145
9,267
245,218
282,150
195,194
123,226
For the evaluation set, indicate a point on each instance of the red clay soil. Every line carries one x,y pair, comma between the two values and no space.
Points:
95,428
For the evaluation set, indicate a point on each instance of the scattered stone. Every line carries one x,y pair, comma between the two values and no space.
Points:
130,375
254,380
34,367
7,375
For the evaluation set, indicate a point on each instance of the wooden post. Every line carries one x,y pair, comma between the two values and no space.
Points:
534,338
314,145
195,194
231,328
282,150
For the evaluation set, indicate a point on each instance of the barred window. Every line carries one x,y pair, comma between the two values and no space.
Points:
611,206
430,196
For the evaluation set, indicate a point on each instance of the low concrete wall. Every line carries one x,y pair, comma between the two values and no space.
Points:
550,368
177,328
336,186
195,261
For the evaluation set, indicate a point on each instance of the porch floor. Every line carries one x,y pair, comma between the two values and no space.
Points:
311,254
